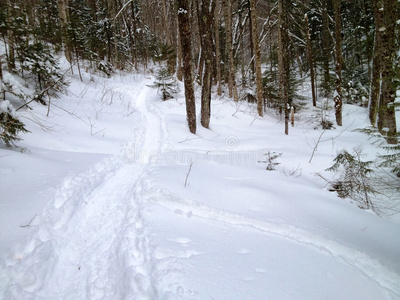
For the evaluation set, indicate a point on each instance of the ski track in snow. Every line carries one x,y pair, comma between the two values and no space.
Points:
367,265
93,243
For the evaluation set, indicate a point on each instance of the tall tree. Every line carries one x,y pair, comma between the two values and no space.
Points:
63,14
10,34
386,114
283,59
326,51
310,60
227,4
338,98
217,45
374,92
206,11
185,35
254,31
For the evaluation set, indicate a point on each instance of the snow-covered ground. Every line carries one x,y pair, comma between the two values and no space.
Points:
130,205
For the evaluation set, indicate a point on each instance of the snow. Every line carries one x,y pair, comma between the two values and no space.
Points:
115,219
6,107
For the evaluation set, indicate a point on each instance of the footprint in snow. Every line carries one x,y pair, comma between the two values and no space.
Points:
247,278
243,251
260,270
183,241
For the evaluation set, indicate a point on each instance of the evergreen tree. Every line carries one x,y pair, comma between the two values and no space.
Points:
166,84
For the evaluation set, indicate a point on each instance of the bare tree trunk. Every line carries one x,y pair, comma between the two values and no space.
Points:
165,23
376,65
200,67
229,44
217,46
338,98
2,91
135,35
179,54
283,60
310,61
325,48
114,11
10,36
206,11
251,46
386,115
63,15
185,34
257,60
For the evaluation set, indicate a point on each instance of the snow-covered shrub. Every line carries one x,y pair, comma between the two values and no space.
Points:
166,84
270,159
10,126
106,68
355,178
270,89
10,84
321,116
37,59
391,160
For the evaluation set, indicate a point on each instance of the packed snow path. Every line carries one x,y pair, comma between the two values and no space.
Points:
127,229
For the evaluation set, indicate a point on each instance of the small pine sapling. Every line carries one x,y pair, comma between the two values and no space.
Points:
270,159
355,178
10,126
391,160
166,84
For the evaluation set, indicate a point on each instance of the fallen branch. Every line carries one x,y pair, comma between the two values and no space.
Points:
316,146
38,96
187,139
188,173
29,224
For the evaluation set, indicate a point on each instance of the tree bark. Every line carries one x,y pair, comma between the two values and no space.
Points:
257,57
10,35
206,12
251,47
376,64
310,60
217,46
283,60
179,74
229,44
386,114
185,35
325,49
2,91
63,15
338,98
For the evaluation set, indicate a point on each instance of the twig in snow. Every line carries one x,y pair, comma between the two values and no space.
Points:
29,224
237,109
326,140
38,96
188,173
187,139
255,118
316,145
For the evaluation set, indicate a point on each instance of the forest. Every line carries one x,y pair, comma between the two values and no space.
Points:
258,51
168,98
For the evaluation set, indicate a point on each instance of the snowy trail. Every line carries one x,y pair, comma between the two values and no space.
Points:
93,244
95,240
